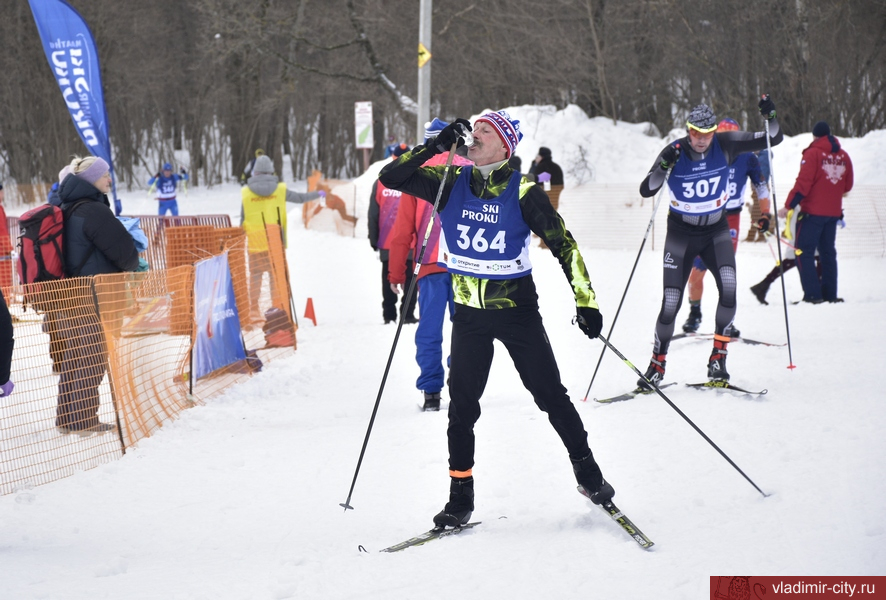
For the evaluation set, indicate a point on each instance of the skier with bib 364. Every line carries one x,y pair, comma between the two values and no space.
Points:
697,224
488,213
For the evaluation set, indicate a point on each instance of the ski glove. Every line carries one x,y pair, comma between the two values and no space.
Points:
452,133
763,222
542,177
589,320
6,388
767,107
669,156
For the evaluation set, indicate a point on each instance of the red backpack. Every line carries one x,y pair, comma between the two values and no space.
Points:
41,247
41,244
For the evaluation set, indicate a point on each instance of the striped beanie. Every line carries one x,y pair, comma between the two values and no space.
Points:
434,128
508,129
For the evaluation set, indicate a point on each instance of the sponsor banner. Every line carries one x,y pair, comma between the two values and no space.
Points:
218,342
73,58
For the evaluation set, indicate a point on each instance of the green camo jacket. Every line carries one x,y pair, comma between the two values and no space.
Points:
407,174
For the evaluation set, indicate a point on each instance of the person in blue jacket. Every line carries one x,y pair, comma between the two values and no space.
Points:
166,184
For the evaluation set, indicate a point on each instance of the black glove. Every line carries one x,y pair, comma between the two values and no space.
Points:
669,157
589,320
157,176
763,222
451,134
767,107
183,171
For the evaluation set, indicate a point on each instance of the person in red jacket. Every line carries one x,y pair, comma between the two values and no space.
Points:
825,177
434,283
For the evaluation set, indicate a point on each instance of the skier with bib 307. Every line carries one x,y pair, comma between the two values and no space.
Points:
488,213
697,225
744,167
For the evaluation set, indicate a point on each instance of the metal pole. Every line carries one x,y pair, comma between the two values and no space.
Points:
424,71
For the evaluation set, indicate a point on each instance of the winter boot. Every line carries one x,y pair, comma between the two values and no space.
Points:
717,362
590,480
760,290
655,372
694,319
460,507
432,401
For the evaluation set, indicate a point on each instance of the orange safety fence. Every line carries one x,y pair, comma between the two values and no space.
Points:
103,362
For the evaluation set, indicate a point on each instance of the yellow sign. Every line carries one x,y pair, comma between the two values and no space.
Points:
424,55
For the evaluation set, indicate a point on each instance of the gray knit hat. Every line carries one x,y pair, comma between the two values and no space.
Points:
263,166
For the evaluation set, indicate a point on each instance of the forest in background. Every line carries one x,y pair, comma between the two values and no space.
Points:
220,78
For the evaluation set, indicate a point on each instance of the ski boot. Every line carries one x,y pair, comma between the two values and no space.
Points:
655,372
590,480
760,290
460,507
694,319
717,362
733,331
432,401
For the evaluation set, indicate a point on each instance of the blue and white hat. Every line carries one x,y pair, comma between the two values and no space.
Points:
434,128
508,129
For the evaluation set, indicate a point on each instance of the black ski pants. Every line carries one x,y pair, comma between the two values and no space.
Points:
521,331
389,298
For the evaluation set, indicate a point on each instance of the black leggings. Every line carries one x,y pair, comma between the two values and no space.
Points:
683,243
523,335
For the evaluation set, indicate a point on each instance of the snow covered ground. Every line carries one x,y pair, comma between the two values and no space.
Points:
239,499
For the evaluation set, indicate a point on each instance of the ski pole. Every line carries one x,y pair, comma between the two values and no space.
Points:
347,503
784,293
631,276
680,412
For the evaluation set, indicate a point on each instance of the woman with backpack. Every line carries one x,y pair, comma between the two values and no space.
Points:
95,243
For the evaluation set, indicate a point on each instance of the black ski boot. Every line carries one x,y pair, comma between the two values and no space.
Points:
655,372
717,362
760,290
694,319
733,331
590,479
432,401
460,507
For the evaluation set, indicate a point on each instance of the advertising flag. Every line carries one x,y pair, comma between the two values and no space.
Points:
71,52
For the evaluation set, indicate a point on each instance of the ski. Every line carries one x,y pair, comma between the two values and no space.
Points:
639,391
707,336
725,385
429,536
624,522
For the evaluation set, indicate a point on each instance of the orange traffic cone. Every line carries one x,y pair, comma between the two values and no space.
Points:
309,311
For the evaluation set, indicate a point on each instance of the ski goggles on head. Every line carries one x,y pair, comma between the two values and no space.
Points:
703,130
